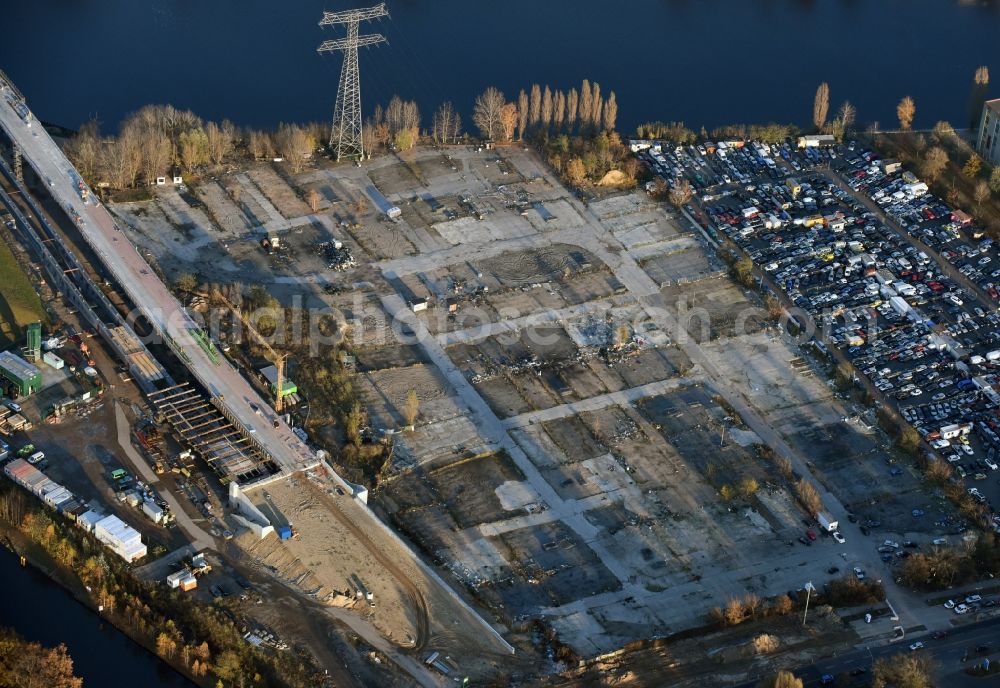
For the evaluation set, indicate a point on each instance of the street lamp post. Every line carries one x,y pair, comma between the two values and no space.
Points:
809,588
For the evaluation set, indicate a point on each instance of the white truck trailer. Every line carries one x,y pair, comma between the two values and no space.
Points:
827,522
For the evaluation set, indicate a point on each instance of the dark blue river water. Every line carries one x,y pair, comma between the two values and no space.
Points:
43,612
706,62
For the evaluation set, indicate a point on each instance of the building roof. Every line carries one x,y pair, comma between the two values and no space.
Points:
18,366
118,529
994,105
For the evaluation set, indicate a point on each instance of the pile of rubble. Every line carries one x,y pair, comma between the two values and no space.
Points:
337,257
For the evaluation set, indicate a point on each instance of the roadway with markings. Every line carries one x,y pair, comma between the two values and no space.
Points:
952,654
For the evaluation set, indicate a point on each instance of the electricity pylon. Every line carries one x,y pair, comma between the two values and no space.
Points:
345,135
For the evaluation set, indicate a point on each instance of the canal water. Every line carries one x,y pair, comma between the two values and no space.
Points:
44,612
705,62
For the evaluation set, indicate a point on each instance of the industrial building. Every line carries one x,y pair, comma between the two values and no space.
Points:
121,538
988,141
816,141
15,372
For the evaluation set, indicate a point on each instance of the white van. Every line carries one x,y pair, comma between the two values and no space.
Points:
36,457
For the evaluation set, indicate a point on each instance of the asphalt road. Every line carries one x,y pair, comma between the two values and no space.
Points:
947,653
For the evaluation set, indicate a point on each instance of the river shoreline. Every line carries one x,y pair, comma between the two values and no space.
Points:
38,562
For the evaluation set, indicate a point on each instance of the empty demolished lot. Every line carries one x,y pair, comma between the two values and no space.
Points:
575,456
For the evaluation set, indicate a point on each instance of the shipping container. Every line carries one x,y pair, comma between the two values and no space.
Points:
52,360
152,510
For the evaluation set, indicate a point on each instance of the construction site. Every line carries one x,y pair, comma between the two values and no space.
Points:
563,427
602,438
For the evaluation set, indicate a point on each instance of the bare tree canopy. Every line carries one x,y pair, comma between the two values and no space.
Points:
981,193
259,144
681,193
547,107
522,114
611,112
402,114
446,124
905,111
782,679
596,106
193,148
821,105
559,110
157,154
536,105
586,100
508,121
220,140
843,121
295,144
487,110
572,105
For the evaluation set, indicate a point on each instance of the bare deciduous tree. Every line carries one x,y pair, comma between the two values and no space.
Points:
586,105
193,148
572,106
85,150
402,114
980,193
412,408
559,110
394,115
405,139
905,111
508,121
547,107
157,154
259,144
487,110
446,123
903,671
130,154
370,137
596,106
681,193
220,140
935,161
782,679
809,497
522,114
821,105
843,121
535,107
313,198
611,112
295,144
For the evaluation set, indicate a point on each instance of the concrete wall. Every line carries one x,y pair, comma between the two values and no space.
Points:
247,514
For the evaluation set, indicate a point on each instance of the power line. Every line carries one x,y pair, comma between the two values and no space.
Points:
345,134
